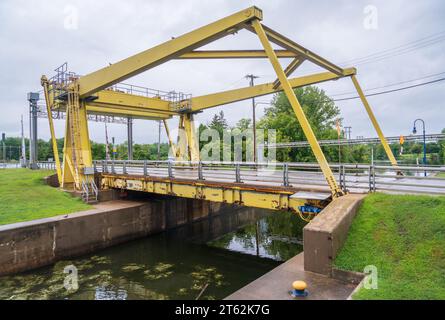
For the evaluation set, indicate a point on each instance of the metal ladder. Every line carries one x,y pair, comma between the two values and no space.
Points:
90,191
73,121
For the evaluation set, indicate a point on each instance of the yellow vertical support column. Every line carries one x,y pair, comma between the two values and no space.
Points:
85,144
374,122
44,82
335,189
193,147
181,152
77,148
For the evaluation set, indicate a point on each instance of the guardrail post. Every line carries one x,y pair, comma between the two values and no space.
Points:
238,173
370,179
145,167
200,173
340,176
124,167
103,165
113,168
170,169
95,166
286,175
374,189
106,166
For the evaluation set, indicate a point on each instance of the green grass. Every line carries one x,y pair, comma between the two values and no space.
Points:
441,175
24,196
404,237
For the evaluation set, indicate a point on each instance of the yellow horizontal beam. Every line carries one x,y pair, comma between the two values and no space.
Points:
221,98
235,54
108,111
164,52
121,99
111,102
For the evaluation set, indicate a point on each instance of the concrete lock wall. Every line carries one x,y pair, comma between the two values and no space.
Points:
325,235
28,245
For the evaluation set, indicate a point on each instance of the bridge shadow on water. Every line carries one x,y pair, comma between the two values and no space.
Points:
219,254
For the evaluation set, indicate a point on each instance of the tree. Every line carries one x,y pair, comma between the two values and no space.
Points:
321,113
244,124
442,149
219,123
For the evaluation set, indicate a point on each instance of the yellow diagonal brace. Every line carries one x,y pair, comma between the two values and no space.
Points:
305,125
374,121
291,45
164,52
220,98
288,71
44,82
170,141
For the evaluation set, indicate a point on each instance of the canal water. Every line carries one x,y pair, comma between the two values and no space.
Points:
209,259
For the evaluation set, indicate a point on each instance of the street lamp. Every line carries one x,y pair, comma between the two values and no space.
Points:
424,139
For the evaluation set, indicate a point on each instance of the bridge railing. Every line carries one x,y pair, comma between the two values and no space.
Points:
47,165
352,177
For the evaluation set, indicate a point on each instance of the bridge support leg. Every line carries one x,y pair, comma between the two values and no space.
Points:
170,141
68,170
44,82
374,122
335,189
192,143
77,150
181,154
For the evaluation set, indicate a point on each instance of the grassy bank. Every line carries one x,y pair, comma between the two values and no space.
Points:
404,237
24,197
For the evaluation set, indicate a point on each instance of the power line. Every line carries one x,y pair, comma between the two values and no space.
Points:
390,91
403,45
396,51
402,49
389,85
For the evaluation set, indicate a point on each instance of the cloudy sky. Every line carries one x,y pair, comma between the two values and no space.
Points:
390,42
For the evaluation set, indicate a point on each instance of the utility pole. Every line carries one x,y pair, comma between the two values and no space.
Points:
130,137
114,148
23,153
252,78
107,145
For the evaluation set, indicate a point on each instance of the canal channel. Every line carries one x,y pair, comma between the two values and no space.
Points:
209,259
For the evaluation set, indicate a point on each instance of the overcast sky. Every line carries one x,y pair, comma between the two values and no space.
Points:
37,36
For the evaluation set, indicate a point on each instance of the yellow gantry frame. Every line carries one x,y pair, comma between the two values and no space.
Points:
94,97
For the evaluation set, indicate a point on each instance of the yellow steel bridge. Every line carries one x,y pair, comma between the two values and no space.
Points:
99,93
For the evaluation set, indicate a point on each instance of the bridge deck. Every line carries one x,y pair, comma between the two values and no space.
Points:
295,177
294,187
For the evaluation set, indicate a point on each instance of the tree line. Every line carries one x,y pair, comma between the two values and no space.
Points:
322,114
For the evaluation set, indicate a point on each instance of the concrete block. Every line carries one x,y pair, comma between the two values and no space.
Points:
326,233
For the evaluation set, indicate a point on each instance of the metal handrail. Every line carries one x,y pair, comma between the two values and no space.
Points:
353,177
